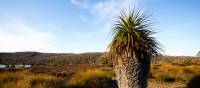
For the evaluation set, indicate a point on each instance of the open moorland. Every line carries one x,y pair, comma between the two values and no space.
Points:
90,70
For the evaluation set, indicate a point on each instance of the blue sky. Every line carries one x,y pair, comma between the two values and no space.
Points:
65,26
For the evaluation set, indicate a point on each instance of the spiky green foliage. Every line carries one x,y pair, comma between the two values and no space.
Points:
133,36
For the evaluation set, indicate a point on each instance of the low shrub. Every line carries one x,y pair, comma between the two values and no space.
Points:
22,79
187,70
7,77
91,79
165,78
183,77
42,81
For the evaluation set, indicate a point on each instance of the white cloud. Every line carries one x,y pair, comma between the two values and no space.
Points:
16,35
105,10
110,8
81,3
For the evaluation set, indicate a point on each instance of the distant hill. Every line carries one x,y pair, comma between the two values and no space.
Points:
64,58
48,58
198,54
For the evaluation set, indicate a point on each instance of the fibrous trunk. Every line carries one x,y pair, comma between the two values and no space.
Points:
132,72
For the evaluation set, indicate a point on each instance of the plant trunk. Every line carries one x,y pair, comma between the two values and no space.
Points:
132,72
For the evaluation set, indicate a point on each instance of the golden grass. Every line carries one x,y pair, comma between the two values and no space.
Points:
166,74
24,79
165,71
173,72
84,78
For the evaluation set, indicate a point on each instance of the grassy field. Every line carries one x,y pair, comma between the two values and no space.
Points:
165,73
24,79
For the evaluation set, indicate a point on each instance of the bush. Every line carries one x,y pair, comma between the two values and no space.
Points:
91,79
183,77
22,79
187,70
165,78
9,77
40,83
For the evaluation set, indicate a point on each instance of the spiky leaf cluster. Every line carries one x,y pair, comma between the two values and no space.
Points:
133,35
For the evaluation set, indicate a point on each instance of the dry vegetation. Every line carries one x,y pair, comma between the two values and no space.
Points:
173,72
36,58
23,79
166,72
91,79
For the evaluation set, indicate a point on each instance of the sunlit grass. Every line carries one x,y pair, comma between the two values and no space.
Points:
24,79
90,78
166,71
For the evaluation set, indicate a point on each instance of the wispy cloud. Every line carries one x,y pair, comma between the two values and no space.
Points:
16,35
81,3
105,10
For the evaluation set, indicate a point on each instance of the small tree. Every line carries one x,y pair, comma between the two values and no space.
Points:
132,48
